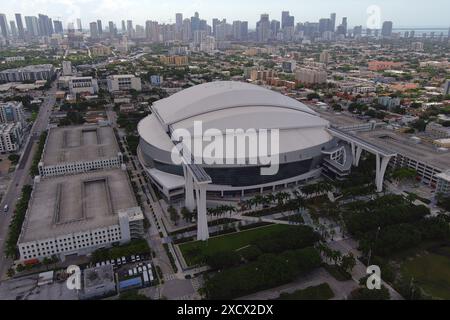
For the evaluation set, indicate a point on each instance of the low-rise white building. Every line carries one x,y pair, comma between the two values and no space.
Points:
83,85
76,215
124,83
82,200
443,183
78,149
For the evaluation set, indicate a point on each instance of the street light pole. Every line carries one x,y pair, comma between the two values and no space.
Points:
370,252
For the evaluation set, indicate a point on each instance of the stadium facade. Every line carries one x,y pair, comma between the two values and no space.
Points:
304,141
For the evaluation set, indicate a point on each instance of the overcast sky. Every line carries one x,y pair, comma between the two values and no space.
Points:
418,13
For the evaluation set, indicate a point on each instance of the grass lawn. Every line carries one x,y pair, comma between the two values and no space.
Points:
194,250
319,292
431,272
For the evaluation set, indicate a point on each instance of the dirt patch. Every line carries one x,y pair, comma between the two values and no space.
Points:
5,165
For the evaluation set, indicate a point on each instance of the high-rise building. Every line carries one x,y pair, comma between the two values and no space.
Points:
342,28
140,32
187,32
357,31
286,20
32,26
130,29
100,27
344,25
45,25
112,29
324,25
12,25
179,21
333,22
275,27
58,26
93,28
386,30
215,22
244,30
195,22
3,25
222,30
263,28
237,30
79,25
20,28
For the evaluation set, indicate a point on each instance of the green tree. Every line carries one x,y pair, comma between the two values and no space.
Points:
186,214
173,213
348,262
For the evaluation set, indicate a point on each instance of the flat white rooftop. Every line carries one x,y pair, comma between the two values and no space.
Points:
77,203
79,143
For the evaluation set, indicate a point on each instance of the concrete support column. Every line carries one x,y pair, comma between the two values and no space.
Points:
356,153
380,170
357,156
189,190
352,144
202,221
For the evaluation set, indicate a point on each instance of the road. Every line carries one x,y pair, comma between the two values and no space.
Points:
21,176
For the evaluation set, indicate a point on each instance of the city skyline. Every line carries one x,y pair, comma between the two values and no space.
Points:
402,12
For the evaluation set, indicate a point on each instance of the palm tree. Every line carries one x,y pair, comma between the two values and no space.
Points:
266,200
271,198
258,199
281,197
186,214
231,210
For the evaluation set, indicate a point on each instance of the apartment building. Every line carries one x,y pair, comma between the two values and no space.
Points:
11,136
12,111
311,75
28,73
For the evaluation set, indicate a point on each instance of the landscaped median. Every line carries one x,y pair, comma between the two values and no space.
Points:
258,259
195,251
34,170
319,292
15,226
